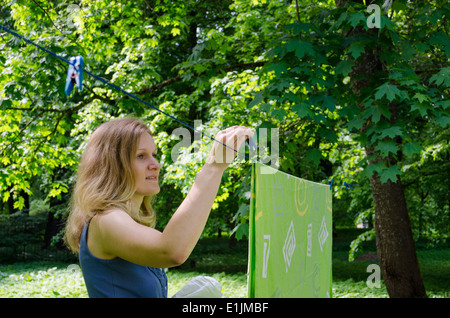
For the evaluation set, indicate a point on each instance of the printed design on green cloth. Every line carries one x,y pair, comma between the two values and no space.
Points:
290,236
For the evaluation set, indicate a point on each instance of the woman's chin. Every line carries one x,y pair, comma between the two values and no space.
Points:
149,190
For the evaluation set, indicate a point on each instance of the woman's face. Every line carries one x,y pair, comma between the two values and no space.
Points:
146,167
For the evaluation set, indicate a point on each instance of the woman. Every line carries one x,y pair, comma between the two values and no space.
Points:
111,221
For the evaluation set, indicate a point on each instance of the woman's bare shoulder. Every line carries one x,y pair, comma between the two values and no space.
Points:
112,220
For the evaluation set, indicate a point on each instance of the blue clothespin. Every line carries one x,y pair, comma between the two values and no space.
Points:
74,74
346,185
331,184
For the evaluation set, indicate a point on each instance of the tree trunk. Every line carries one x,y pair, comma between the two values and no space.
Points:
395,244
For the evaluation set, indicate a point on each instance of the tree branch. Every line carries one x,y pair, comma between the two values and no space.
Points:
48,16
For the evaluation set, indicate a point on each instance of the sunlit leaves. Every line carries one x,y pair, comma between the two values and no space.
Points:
228,63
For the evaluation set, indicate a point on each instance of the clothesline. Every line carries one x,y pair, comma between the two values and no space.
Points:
250,141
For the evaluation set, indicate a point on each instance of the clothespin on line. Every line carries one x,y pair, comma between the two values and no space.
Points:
74,74
345,184
331,184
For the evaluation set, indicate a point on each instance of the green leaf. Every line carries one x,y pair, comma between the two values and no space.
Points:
391,132
443,120
387,23
412,148
279,68
328,134
390,173
176,31
444,104
356,123
356,18
241,230
304,48
443,77
19,204
291,97
421,97
375,111
265,107
292,45
356,49
374,167
386,147
314,156
421,108
298,27
5,103
258,99
439,39
278,114
342,18
344,67
388,90
302,109
329,102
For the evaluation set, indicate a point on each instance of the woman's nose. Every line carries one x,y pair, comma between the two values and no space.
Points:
154,164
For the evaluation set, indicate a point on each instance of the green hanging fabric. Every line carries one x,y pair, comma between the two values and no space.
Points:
290,236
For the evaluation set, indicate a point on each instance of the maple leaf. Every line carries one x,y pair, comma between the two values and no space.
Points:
329,102
176,31
302,110
386,147
391,132
304,48
388,90
356,18
443,77
356,49
314,155
411,148
421,108
421,97
376,111
344,67
390,173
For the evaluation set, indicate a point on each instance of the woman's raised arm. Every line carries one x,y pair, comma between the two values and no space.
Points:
123,237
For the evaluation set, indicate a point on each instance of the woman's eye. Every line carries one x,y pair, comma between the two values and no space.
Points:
141,156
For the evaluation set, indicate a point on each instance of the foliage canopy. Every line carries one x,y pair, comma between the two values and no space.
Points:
260,63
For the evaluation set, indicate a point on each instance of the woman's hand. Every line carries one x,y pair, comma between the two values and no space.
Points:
232,137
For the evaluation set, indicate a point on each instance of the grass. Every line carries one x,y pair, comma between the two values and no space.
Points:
226,264
61,280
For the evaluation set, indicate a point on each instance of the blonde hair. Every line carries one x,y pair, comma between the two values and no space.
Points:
105,179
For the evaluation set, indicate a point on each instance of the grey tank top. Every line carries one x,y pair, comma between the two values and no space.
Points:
118,278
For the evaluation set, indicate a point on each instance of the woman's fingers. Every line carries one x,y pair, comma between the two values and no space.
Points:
229,142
